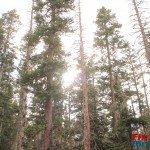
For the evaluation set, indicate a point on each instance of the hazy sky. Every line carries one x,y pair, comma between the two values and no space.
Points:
89,11
89,8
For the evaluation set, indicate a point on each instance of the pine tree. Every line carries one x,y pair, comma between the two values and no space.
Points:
8,109
49,65
136,85
98,120
107,38
86,116
113,77
18,145
140,23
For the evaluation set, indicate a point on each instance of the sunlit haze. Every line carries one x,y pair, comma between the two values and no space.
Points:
89,11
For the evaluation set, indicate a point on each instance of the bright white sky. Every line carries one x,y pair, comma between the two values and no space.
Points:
89,11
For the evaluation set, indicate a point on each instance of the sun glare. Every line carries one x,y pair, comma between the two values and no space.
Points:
69,77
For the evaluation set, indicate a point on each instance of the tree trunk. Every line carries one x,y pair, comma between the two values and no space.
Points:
94,99
136,85
142,30
48,125
86,118
113,106
49,104
144,86
21,119
132,105
18,144
69,110
38,143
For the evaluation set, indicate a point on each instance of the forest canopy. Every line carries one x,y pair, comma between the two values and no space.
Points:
107,101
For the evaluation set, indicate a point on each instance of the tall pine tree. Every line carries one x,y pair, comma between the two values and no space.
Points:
8,27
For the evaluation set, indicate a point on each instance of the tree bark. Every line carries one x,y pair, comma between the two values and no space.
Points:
144,86
48,145
136,85
142,30
113,106
21,119
18,144
132,105
85,108
48,125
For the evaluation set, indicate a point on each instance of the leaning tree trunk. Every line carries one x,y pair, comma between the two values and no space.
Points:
142,30
85,108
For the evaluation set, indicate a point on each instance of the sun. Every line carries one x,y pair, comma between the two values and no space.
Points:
69,76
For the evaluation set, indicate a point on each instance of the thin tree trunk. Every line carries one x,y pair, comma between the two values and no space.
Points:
142,30
86,118
21,119
144,86
1,123
94,100
48,112
48,125
38,143
69,110
18,144
114,112
136,86
132,105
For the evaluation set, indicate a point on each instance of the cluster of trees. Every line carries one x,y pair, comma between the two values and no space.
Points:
95,112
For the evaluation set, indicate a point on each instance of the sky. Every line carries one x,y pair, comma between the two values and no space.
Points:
89,10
